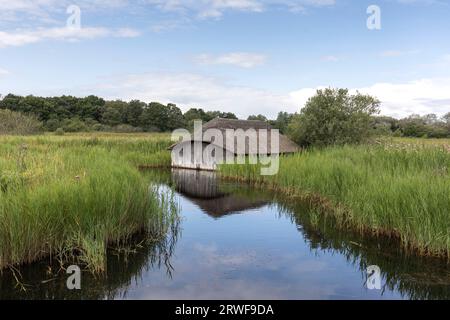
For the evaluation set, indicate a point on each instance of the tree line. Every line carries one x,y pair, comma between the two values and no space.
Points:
427,126
332,116
92,113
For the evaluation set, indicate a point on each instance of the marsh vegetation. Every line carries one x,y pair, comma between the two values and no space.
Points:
70,198
395,188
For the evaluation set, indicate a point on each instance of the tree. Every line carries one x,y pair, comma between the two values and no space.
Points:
259,117
114,113
155,116
219,114
431,119
74,125
428,126
333,116
133,111
10,102
175,118
446,118
199,114
282,121
413,126
91,107
195,114
52,124
383,125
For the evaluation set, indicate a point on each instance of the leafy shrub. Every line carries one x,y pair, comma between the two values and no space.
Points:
59,132
52,125
74,125
98,127
333,116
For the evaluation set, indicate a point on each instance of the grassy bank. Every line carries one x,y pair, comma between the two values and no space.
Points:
398,188
70,197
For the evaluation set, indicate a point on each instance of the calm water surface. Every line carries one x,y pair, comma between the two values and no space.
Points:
236,242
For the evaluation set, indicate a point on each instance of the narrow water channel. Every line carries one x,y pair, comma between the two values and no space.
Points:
237,242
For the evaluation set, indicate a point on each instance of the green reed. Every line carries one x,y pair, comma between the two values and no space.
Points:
392,189
71,197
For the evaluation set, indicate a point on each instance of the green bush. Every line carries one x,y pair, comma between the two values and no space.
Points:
98,127
333,116
74,125
59,132
52,124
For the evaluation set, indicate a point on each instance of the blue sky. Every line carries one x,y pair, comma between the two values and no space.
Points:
244,56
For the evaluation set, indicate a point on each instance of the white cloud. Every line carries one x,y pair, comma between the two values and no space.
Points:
46,20
39,6
207,8
50,11
420,96
127,33
190,90
300,6
29,6
24,37
446,58
187,11
442,62
166,25
216,8
4,72
202,8
33,14
427,2
402,99
238,59
397,53
330,59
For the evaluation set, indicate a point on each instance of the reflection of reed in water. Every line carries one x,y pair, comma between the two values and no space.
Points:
203,189
414,277
125,265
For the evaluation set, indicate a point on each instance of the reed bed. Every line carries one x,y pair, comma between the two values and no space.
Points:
399,189
71,197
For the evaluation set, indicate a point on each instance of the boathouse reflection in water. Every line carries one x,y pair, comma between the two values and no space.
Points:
203,189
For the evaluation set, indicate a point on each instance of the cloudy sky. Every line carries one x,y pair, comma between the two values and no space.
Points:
243,56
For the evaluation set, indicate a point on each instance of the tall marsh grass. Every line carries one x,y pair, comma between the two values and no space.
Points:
16,123
71,197
394,190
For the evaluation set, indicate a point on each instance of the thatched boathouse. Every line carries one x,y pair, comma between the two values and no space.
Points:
249,138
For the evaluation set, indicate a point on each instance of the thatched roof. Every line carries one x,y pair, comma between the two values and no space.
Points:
227,205
285,144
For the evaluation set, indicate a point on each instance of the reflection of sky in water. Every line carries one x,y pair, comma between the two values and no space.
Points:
254,255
